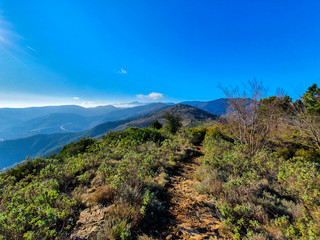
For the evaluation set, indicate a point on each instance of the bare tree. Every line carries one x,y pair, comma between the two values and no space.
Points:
308,124
253,117
305,116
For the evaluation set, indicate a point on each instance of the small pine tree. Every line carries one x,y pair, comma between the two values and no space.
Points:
172,122
156,124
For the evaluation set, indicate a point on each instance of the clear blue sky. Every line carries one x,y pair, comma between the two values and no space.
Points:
96,52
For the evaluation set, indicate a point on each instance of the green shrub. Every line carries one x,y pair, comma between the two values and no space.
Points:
73,149
156,124
33,212
172,122
27,167
42,198
133,136
196,135
308,154
261,196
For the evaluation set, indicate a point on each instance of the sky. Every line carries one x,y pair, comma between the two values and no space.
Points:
100,52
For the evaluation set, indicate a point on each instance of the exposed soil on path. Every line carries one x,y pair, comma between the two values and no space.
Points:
192,215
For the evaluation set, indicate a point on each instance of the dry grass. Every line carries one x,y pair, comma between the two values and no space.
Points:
103,195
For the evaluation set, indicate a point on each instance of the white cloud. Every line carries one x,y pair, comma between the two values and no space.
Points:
122,71
32,49
152,96
76,98
8,37
88,104
124,105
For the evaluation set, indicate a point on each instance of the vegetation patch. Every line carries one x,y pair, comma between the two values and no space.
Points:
43,198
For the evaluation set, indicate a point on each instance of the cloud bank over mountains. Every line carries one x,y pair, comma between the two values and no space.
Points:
150,96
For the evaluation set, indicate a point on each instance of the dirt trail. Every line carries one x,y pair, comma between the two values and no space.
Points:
193,214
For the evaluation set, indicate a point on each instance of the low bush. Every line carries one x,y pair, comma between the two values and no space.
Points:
103,195
196,135
73,149
156,124
261,196
42,198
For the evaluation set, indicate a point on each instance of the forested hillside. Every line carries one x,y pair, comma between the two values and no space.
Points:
254,173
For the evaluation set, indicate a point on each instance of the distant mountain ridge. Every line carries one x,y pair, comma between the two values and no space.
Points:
63,119
218,106
45,144
43,130
11,118
188,114
18,123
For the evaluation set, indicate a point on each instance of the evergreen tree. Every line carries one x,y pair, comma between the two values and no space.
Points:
156,124
172,122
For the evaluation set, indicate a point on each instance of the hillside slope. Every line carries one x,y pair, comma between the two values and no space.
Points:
188,115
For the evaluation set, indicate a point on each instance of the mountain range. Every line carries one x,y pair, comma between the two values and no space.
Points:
63,119
53,127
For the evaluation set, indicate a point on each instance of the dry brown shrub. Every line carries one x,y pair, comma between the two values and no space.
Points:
145,237
163,179
258,237
274,232
225,230
126,211
103,195
98,180
209,182
120,222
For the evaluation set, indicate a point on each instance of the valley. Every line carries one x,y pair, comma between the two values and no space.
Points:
47,135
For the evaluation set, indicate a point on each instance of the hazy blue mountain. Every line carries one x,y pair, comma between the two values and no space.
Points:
19,123
9,117
14,151
218,107
135,111
52,123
